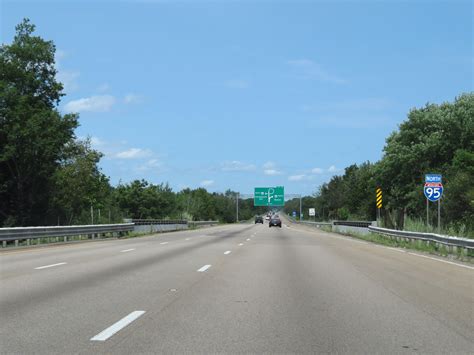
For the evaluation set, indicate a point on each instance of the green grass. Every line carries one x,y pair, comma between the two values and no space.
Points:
419,225
418,245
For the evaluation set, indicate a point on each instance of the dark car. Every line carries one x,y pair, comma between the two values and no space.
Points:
275,221
258,219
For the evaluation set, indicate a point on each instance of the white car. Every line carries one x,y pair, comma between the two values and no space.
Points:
267,218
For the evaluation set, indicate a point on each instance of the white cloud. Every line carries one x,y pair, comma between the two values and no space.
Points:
317,171
68,79
207,183
101,103
297,177
332,169
152,164
132,99
133,153
270,168
307,69
103,87
269,165
238,84
96,141
272,172
59,55
236,165
349,106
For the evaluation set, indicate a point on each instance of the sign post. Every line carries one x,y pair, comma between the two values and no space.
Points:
433,191
378,199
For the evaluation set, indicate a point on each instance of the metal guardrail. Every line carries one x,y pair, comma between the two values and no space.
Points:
28,233
141,222
428,237
202,223
312,223
451,242
360,224
15,234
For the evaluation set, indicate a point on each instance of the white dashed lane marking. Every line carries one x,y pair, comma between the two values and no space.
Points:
48,266
114,328
204,268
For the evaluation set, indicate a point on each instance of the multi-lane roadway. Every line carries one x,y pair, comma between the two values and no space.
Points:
234,289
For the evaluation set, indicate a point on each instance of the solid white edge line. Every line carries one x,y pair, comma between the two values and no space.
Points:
403,251
204,268
227,252
164,243
114,328
48,266
441,261
127,250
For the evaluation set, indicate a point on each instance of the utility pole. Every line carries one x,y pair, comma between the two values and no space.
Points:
301,210
237,207
92,215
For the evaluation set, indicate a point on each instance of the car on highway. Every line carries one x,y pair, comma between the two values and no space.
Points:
267,218
258,219
275,222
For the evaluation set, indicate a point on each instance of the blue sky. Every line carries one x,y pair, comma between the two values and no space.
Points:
241,94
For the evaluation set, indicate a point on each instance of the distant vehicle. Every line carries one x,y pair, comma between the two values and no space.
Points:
258,219
275,221
267,218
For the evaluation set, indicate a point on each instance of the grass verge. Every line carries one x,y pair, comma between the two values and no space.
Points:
422,246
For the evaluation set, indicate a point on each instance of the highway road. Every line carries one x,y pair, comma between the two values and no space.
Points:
233,289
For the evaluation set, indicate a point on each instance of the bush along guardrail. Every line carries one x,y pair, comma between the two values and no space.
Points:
29,234
453,244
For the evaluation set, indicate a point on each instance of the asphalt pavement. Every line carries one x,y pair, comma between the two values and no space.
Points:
240,288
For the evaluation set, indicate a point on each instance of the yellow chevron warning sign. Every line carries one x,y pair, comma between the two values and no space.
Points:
378,194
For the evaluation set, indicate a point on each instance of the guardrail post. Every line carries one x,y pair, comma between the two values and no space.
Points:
65,239
27,242
16,242
4,243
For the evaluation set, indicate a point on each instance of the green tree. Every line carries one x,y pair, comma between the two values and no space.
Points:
33,134
79,184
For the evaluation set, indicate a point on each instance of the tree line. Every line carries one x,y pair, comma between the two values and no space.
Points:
48,176
436,138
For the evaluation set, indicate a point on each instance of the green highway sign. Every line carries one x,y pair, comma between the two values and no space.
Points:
269,196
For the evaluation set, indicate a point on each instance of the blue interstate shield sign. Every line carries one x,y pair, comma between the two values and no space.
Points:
433,191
